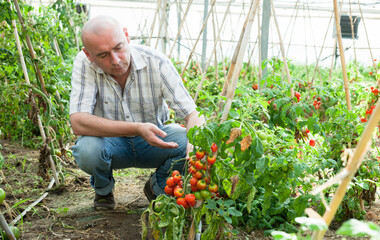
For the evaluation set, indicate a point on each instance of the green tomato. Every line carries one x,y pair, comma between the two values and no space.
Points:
269,137
284,168
205,194
16,232
198,195
264,143
262,135
2,195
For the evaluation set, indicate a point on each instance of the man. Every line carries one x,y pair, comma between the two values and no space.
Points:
118,106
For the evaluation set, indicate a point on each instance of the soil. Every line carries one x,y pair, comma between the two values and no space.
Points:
67,210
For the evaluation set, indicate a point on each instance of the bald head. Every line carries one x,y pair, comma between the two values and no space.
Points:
98,26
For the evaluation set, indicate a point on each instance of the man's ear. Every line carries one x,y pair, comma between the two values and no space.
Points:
87,54
126,34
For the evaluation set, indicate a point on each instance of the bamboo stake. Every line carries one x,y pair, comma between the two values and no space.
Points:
282,51
241,49
366,33
353,164
342,58
320,53
234,59
260,74
154,22
30,47
199,36
212,52
39,122
333,58
214,28
162,19
7,229
181,25
352,31
33,204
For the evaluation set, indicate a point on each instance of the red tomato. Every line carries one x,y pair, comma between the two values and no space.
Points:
190,199
297,94
214,148
182,202
211,160
200,154
175,172
177,178
194,188
198,174
170,182
178,192
198,165
169,190
213,187
193,181
201,184
192,170
312,142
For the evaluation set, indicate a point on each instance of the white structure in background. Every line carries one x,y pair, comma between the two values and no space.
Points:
304,25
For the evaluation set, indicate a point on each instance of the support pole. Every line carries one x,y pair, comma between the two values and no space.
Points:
353,164
342,58
30,47
282,51
241,52
264,35
204,40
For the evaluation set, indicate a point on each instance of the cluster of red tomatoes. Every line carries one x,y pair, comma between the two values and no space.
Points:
201,186
317,102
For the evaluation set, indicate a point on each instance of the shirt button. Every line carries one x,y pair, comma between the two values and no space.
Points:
126,117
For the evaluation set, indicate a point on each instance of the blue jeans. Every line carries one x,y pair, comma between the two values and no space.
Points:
98,156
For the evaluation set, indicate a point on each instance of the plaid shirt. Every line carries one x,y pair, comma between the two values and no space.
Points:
153,83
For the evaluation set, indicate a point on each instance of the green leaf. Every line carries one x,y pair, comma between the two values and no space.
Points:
211,204
261,164
164,221
257,148
313,224
356,228
234,212
279,235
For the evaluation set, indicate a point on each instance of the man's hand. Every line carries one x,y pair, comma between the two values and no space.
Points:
149,132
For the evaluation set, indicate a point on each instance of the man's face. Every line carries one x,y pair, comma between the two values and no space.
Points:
110,51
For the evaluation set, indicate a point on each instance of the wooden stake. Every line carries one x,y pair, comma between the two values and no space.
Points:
359,153
212,52
241,52
199,36
181,25
30,47
39,122
234,59
282,51
366,33
342,58
154,22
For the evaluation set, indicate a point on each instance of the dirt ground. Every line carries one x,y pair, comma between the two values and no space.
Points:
67,213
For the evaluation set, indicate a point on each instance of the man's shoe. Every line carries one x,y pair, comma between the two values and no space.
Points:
104,202
148,190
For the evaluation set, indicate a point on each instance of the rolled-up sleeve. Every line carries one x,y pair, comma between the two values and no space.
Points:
83,86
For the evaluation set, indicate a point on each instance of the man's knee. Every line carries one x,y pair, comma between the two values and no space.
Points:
87,152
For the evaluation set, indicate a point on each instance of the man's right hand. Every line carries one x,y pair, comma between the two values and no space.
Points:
90,125
149,132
